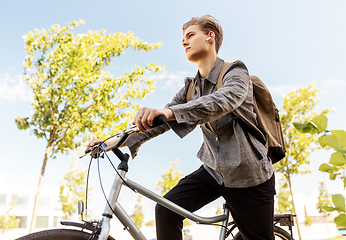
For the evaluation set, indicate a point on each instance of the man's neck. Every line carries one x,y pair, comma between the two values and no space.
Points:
206,64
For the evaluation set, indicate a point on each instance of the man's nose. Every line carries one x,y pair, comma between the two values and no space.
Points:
185,43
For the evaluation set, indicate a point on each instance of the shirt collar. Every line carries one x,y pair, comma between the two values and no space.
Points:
214,72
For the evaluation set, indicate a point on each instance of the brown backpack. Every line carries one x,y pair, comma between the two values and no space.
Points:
267,117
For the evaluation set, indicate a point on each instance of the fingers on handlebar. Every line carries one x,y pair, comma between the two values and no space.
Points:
93,142
147,118
159,120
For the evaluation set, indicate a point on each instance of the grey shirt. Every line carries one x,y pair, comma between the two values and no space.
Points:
226,153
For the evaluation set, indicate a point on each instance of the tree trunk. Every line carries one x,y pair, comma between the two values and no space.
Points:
40,182
294,207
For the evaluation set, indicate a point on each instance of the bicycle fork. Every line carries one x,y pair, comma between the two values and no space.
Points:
114,207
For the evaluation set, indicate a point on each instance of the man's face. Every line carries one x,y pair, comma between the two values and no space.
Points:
195,44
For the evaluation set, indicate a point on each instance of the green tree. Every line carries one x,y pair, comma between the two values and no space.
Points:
324,199
9,221
336,140
150,223
73,98
138,216
308,218
284,202
297,106
72,189
170,178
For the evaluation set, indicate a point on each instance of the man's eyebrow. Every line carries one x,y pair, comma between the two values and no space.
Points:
188,33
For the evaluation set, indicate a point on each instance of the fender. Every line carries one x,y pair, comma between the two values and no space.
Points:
84,225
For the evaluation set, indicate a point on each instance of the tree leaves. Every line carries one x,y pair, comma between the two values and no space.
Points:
170,178
335,139
306,127
8,220
339,202
321,122
298,108
73,97
72,189
340,220
337,159
339,205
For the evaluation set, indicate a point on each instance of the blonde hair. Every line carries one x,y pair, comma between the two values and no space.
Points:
208,24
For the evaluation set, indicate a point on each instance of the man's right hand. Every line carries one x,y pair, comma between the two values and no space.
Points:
97,140
94,142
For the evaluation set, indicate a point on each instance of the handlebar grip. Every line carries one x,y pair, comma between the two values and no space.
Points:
160,120
88,150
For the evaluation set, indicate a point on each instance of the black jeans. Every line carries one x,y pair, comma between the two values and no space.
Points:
252,208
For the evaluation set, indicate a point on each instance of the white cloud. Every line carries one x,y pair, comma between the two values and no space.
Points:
3,161
13,89
283,89
334,83
322,85
172,81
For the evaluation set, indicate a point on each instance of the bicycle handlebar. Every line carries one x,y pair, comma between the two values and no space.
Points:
160,120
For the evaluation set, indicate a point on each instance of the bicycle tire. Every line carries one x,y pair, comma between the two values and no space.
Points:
279,233
59,234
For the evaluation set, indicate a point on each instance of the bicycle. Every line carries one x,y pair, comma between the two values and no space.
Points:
92,230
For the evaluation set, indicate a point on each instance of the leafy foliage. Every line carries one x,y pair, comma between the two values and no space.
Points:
170,178
336,140
72,94
138,216
284,200
72,189
8,221
150,223
324,199
298,106
308,218
73,97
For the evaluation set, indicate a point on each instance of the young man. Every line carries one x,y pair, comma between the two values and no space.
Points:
230,167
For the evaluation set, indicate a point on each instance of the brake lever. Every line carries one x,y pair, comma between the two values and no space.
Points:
92,149
127,131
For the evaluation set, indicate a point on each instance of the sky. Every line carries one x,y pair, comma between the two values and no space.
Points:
288,44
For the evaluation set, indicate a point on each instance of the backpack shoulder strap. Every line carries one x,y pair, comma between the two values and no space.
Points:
190,90
192,86
222,72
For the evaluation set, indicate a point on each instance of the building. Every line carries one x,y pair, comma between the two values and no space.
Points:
49,211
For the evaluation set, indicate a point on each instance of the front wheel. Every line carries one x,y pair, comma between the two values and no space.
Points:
279,233
60,234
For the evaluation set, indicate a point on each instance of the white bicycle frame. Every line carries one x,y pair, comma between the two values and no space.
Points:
125,219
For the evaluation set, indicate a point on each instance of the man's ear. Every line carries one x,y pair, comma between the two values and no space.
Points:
211,34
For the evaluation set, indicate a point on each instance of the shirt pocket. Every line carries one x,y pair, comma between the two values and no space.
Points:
223,125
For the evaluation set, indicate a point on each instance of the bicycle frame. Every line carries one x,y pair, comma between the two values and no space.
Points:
114,207
125,219
101,228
